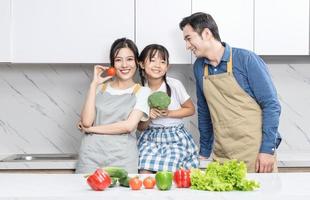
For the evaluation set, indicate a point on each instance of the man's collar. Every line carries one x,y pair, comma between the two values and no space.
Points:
225,56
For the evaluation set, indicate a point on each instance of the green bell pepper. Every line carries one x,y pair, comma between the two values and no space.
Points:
164,180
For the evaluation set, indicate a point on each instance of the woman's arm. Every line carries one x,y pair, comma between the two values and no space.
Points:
187,109
126,126
89,112
143,125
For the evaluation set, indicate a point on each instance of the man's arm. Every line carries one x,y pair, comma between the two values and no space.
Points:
204,118
266,96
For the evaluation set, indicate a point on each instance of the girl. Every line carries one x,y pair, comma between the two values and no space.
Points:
165,144
110,116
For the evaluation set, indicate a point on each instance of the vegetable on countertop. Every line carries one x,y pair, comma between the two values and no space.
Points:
135,183
116,172
99,180
159,100
149,182
223,177
163,180
182,178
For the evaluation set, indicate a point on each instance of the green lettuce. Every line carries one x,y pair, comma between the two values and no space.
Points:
223,177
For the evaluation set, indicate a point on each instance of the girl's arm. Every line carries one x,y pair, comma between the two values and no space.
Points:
126,126
187,109
154,113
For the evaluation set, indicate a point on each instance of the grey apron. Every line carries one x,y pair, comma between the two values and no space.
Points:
110,150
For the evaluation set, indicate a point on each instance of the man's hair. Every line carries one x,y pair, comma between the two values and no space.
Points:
199,21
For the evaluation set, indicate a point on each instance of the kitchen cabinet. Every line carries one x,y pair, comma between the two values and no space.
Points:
158,22
5,28
234,20
282,27
68,31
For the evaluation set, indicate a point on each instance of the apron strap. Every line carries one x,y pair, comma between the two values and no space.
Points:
104,87
229,66
136,88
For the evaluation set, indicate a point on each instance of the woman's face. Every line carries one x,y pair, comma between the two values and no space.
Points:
156,67
124,63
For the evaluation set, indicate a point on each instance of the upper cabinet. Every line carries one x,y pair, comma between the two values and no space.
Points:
234,20
5,26
282,27
68,31
158,22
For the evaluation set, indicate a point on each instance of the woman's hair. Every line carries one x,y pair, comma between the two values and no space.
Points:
148,53
123,43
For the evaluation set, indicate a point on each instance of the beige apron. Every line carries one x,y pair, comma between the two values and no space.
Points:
236,118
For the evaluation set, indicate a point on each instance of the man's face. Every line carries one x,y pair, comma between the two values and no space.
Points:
193,40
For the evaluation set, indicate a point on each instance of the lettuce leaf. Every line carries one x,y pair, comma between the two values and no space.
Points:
223,177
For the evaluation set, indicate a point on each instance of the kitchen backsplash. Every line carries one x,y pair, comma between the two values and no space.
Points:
40,106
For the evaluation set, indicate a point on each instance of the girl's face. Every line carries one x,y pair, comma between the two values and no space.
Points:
156,67
125,65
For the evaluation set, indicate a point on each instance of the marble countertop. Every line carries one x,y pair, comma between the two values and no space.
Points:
284,186
284,160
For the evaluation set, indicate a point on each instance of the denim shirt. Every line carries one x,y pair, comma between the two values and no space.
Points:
252,75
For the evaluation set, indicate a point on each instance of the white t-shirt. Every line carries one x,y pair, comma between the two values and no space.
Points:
178,97
141,98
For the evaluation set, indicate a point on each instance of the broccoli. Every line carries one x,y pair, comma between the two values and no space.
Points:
159,100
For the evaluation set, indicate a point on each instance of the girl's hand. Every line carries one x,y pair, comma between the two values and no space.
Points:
155,113
98,71
164,113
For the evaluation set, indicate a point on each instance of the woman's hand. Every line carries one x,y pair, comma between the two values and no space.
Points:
83,129
98,71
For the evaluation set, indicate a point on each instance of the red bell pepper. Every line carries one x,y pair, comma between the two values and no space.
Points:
182,178
99,180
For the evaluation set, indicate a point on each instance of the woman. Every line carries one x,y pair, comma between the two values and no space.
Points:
112,112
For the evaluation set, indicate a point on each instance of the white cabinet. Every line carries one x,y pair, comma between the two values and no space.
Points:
158,22
5,17
69,31
234,20
282,27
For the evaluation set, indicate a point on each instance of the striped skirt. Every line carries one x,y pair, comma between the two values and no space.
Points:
167,148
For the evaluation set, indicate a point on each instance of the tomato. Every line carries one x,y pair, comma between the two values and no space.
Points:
149,182
135,183
111,71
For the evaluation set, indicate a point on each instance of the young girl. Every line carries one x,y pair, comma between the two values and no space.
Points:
112,112
165,144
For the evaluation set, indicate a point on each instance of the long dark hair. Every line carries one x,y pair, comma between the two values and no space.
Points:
123,43
148,53
199,21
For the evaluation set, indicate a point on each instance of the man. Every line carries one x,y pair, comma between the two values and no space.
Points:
238,108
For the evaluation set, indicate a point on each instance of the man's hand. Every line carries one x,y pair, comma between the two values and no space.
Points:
203,157
264,163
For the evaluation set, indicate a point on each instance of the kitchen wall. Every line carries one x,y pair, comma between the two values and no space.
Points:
40,106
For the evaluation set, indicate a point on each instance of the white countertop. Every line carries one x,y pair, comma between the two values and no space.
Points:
284,186
284,160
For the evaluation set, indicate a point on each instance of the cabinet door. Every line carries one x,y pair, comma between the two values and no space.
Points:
158,22
5,14
282,27
69,31
234,20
